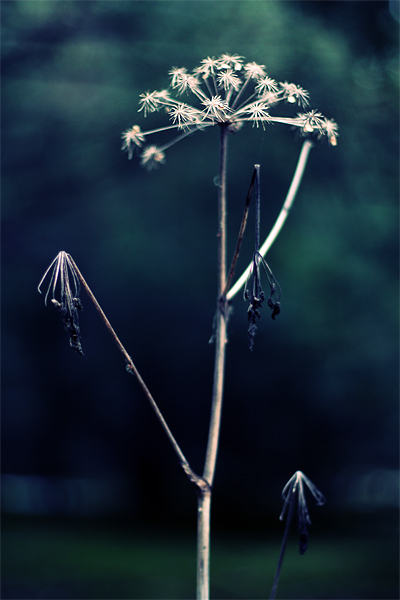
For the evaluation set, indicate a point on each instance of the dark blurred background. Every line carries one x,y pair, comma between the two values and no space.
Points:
94,503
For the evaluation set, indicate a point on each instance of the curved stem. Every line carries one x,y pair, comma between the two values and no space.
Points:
204,497
287,205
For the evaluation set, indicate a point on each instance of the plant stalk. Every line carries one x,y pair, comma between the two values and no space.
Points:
204,495
241,234
201,485
283,548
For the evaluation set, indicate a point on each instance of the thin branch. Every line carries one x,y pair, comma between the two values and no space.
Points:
132,369
294,186
283,548
101,313
241,234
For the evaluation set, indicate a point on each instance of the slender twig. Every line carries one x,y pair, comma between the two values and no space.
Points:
287,205
283,547
241,234
132,369
101,313
204,497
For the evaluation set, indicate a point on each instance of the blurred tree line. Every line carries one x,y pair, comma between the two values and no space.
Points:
320,390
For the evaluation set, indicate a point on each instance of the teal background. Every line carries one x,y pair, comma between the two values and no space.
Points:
90,485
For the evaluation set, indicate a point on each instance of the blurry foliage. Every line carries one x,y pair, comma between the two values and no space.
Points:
104,559
319,392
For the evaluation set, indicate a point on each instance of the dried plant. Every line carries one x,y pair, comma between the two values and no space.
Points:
69,302
294,490
227,92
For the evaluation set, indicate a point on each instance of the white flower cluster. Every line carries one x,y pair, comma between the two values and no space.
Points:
228,91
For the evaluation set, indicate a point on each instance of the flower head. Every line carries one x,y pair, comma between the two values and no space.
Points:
149,102
152,157
184,115
229,80
230,61
177,75
208,66
266,84
68,302
183,81
295,486
227,91
254,71
132,138
331,131
294,93
312,121
258,113
216,108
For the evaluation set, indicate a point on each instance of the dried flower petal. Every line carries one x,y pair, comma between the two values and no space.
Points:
295,485
255,296
69,302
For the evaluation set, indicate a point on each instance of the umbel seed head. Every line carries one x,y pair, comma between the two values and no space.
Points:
225,90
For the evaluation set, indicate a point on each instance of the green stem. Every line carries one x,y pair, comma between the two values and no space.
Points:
204,496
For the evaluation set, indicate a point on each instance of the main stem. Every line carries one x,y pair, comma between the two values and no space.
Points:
204,494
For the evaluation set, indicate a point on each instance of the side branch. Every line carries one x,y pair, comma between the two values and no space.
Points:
130,366
241,234
101,313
